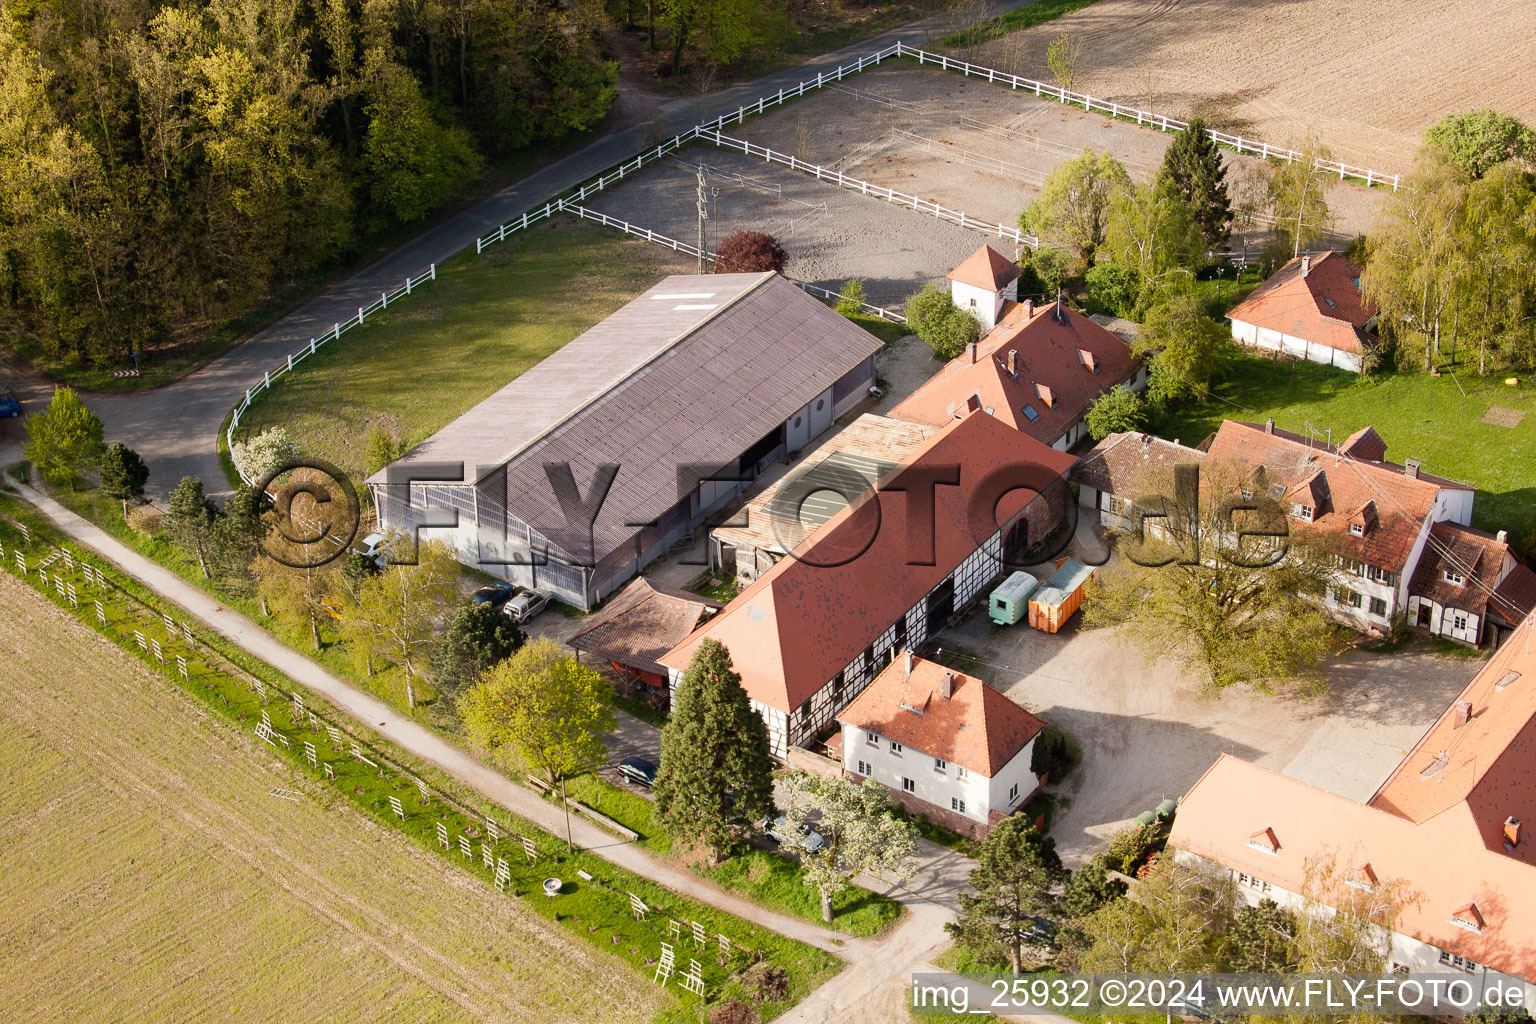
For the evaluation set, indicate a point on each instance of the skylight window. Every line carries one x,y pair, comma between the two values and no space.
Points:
1330,302
1030,413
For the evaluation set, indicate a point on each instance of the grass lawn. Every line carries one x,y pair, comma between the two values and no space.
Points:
1037,13
485,320
1420,417
716,587
595,911
760,875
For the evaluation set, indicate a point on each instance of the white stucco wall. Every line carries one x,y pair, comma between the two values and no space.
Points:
985,305
872,755
1263,337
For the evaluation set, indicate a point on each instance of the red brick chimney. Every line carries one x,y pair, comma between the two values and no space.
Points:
1512,831
1013,361
971,348
1411,468
1463,712
947,685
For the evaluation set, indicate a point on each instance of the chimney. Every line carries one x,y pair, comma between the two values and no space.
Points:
1013,361
908,664
1411,468
1502,537
971,348
1463,712
1306,265
947,685
1269,425
1511,831
1029,308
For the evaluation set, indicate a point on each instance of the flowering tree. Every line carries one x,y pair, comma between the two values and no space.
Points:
861,830
270,450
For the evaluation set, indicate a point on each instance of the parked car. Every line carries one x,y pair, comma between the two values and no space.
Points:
526,605
637,770
9,406
495,594
780,831
373,546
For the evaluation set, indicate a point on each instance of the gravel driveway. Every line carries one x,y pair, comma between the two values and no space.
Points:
1148,733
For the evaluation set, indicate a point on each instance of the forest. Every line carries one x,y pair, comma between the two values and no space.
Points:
165,166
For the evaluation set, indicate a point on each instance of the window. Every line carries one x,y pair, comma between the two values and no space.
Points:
1119,507
1348,597
1378,606
1398,968
1383,576
1461,963
1253,883
961,772
1247,494
874,740
1356,530
866,769
1459,620
1030,413
973,303
957,805
1454,578
908,786
1013,792
1301,512
940,765
895,748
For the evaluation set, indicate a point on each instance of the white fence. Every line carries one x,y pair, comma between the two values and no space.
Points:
711,132
294,358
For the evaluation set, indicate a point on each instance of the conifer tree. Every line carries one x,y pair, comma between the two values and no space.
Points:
190,519
716,775
123,474
1015,871
1194,168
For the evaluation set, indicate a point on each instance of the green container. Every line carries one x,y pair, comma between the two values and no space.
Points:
1166,808
1146,817
1010,601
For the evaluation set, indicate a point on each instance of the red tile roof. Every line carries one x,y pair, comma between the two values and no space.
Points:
977,727
804,620
987,269
1471,553
641,623
1517,596
1053,377
1324,307
1340,487
1437,823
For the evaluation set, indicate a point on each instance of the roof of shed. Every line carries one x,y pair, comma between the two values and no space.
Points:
641,623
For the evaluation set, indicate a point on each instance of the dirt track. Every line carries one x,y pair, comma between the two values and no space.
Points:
1368,78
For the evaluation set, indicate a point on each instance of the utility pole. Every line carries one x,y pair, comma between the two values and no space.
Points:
703,214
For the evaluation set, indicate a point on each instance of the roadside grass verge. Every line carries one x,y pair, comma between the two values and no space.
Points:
1419,417
361,767
1028,16
487,318
760,875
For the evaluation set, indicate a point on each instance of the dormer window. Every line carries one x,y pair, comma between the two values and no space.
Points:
1357,529
1247,494
1363,877
1468,917
1455,579
1302,512
1264,839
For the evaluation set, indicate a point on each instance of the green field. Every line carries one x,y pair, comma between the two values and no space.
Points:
486,319
1419,417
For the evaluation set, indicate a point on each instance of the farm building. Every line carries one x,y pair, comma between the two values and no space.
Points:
885,573
1108,477
983,284
1310,308
1038,370
785,513
946,745
589,465
1452,824
638,625
1469,587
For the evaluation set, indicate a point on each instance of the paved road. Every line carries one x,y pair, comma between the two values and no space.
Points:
174,427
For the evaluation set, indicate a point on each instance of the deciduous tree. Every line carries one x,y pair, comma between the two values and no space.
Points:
1016,870
65,440
1188,349
1153,231
1261,940
1240,609
861,831
1478,140
934,317
542,709
716,775
1298,197
394,616
1072,210
749,252
1172,925
1116,410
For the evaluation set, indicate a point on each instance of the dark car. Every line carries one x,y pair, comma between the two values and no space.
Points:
637,770
495,594
9,406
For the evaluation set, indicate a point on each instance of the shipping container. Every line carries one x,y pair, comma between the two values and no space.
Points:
1058,597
